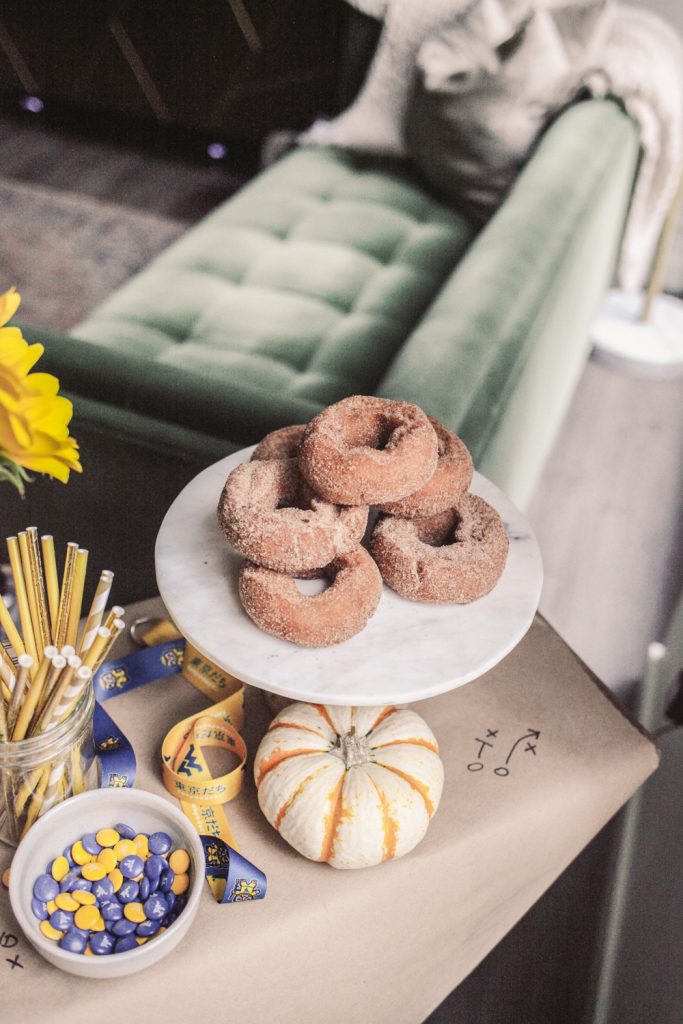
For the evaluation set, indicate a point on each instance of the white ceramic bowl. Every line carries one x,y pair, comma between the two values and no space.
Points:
65,824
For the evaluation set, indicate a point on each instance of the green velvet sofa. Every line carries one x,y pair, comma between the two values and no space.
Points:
330,274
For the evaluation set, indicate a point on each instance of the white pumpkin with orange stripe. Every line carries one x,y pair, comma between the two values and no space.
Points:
350,786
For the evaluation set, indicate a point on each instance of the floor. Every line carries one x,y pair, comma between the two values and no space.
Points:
608,514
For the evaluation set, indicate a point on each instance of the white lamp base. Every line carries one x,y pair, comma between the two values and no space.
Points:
652,349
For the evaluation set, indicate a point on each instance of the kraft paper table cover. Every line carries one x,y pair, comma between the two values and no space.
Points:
387,943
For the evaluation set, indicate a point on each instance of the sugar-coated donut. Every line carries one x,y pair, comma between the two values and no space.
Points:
452,477
271,516
277,606
456,556
280,444
365,450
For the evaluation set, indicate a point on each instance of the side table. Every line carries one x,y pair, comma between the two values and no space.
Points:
389,942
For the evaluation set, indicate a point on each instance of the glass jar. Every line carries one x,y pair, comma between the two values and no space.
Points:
39,772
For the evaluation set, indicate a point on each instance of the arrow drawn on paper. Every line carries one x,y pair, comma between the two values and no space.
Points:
532,734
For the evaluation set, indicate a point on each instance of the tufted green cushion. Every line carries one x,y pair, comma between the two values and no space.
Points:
304,285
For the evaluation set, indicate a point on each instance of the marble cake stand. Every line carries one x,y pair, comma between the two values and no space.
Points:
407,652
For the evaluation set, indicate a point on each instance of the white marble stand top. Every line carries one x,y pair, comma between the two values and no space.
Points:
407,652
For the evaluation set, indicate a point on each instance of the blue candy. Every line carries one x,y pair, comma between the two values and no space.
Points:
126,943
102,943
45,888
62,920
128,892
90,844
180,902
131,866
123,927
148,928
125,831
166,880
154,865
67,853
39,909
74,941
160,842
156,907
68,883
102,889
145,888
170,918
111,911
171,899
83,884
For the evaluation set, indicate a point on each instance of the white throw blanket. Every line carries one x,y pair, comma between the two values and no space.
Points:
634,56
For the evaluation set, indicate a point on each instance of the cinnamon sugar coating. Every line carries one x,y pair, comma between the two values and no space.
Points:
272,517
452,477
274,602
280,444
454,557
366,451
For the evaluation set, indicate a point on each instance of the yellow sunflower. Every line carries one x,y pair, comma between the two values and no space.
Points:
34,418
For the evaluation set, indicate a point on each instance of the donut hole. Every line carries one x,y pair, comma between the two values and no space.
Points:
312,587
375,432
439,530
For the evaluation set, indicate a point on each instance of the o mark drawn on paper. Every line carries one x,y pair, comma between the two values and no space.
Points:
531,737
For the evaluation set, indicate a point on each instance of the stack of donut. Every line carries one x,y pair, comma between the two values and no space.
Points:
299,510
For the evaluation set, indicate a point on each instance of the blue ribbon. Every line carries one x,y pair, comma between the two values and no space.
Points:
243,881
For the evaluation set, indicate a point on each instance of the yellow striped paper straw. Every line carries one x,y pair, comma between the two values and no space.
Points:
25,663
77,597
97,608
117,628
22,600
51,578
97,646
33,696
41,719
11,631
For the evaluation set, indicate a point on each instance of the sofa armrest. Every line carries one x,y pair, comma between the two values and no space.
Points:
465,358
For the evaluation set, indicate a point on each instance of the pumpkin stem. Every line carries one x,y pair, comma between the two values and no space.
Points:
352,749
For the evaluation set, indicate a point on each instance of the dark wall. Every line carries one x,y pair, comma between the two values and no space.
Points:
233,67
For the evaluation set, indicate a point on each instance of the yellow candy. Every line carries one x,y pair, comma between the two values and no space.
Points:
181,883
116,879
88,951
93,871
86,917
179,861
107,837
80,854
124,848
49,932
142,846
51,906
108,859
99,925
5,878
83,898
65,901
142,939
135,912
60,866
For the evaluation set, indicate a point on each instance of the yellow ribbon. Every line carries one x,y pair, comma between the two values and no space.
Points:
186,772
